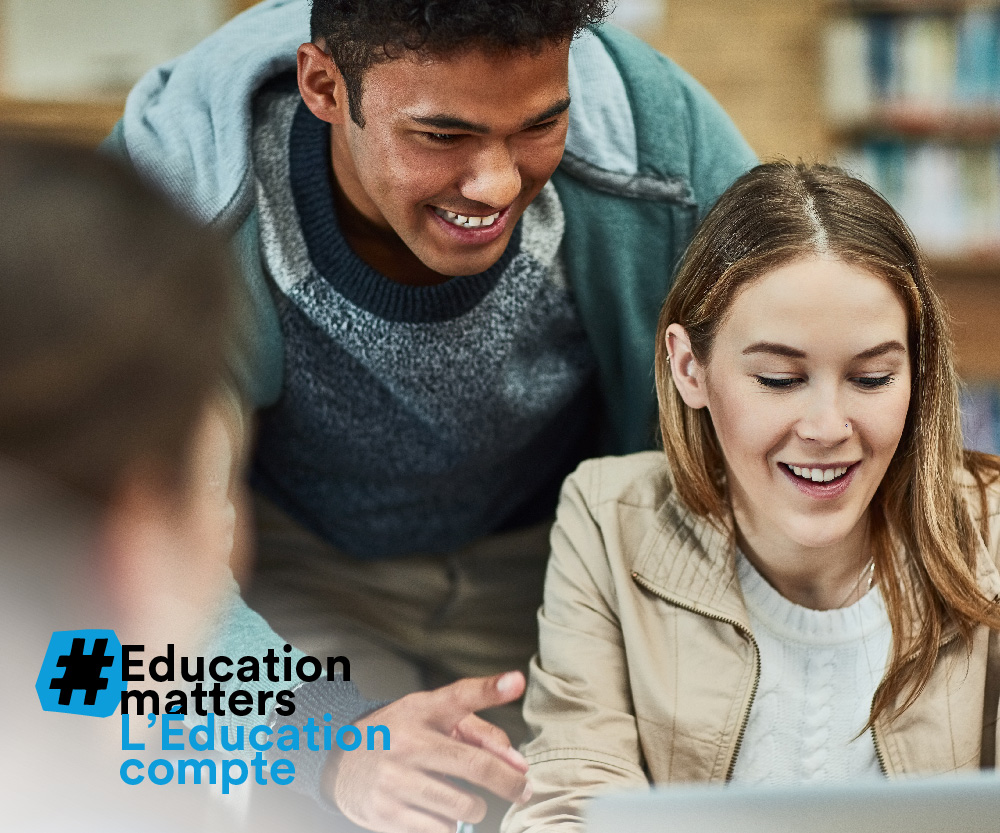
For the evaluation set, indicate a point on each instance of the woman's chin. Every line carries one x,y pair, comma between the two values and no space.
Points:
821,533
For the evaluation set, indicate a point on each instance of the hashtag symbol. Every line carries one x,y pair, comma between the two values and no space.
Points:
84,672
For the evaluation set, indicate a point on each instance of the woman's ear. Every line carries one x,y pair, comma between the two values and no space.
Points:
687,371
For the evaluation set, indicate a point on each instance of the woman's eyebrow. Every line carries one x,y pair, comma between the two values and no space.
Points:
775,349
881,350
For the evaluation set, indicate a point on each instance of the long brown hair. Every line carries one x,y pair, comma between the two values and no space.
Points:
924,541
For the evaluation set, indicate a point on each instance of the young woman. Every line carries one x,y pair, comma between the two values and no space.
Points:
802,588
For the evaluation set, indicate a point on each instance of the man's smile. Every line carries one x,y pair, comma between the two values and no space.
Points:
467,221
468,229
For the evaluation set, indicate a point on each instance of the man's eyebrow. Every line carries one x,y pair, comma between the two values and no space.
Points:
443,121
560,106
775,349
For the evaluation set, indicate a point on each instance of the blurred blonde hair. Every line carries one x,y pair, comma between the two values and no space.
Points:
923,539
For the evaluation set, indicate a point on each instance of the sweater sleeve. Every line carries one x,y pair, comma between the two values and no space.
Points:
584,737
240,631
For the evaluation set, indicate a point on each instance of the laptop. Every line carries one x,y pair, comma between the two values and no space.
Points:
942,804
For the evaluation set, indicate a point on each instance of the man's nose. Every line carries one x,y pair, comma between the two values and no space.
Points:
494,178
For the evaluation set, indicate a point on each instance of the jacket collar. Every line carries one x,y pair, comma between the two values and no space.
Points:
692,562
987,575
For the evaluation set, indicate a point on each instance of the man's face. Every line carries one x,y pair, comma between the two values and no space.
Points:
453,150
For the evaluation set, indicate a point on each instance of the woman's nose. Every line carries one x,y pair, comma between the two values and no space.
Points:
825,421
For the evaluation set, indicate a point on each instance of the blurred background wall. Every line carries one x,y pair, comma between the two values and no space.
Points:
760,58
904,92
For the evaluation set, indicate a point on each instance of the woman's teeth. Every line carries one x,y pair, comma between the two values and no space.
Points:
466,222
819,475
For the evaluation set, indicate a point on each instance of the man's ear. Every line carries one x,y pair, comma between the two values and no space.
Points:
321,85
688,373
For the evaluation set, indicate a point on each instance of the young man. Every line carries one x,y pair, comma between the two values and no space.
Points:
457,221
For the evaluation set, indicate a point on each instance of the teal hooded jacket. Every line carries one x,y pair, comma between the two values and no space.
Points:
648,151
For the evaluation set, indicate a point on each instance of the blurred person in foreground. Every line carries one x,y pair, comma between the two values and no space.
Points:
121,483
118,480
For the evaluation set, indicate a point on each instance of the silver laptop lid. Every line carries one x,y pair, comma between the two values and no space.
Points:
950,804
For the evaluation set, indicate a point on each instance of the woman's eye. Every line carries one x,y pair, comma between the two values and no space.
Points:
780,383
874,381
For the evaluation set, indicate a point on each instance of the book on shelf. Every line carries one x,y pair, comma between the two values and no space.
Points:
948,193
981,417
977,75
927,62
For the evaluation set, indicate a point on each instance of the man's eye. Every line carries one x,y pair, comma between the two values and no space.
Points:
872,382
443,138
780,383
543,126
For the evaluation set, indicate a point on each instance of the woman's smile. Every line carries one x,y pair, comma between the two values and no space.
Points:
820,482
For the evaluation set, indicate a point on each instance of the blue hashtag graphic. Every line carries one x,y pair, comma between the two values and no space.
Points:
78,681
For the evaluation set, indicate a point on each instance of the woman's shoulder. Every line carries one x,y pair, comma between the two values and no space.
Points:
979,485
640,480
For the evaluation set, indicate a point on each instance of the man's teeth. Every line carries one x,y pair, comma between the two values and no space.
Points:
819,475
466,222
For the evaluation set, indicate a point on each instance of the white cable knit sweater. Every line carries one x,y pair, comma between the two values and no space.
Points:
818,673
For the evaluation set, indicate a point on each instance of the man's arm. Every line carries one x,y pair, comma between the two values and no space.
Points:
434,736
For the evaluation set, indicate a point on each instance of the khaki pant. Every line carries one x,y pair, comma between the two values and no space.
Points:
410,623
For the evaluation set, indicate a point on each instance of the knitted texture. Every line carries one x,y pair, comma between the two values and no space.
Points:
818,673
333,703
414,419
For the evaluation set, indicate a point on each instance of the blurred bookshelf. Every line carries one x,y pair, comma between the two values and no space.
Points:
912,103
34,101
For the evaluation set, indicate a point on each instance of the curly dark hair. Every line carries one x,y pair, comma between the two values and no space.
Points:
361,33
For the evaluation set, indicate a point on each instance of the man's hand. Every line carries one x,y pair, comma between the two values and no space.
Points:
435,737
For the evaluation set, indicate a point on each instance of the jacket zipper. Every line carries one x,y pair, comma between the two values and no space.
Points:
878,752
878,745
748,705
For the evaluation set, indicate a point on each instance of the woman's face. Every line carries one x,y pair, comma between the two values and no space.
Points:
808,386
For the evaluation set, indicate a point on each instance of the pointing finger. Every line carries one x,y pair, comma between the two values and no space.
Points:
473,694
480,733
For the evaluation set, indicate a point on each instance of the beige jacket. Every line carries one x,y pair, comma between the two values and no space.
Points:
647,668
